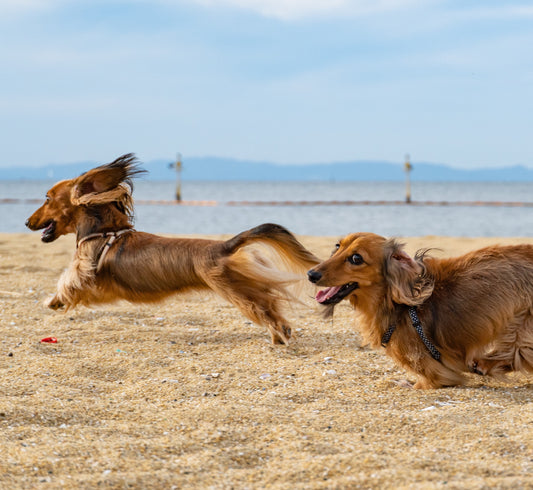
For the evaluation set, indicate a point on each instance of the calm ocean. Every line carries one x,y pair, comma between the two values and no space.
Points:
388,220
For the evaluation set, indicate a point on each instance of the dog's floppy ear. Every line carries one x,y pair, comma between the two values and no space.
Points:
407,279
103,184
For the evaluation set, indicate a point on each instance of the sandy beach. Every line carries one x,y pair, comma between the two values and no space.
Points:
190,394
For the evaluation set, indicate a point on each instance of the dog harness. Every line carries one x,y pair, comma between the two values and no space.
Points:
113,235
419,330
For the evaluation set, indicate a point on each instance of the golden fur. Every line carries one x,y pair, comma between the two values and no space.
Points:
141,267
476,309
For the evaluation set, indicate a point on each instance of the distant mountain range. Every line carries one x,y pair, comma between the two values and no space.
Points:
212,168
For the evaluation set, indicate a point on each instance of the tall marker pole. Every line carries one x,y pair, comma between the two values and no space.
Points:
407,167
178,165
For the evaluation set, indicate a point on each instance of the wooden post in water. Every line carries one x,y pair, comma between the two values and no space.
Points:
177,166
407,167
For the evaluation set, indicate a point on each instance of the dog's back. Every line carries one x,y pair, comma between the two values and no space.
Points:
481,298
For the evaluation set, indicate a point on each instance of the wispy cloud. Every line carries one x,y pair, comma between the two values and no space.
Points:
12,7
295,9
500,12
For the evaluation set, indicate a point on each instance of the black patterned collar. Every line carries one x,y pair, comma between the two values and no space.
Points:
419,330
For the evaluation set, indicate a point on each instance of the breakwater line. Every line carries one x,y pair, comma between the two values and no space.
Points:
159,202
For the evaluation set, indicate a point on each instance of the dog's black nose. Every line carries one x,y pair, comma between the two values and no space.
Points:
314,276
27,222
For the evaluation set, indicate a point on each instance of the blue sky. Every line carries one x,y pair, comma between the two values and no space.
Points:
287,81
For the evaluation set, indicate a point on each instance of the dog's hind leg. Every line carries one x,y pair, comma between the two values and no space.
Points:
512,351
280,332
505,360
263,310
257,299
278,326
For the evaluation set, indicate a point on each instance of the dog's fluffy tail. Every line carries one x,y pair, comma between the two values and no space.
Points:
288,249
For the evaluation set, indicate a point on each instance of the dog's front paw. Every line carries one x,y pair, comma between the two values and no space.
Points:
477,368
54,303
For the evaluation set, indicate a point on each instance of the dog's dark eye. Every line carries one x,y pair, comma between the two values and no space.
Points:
355,259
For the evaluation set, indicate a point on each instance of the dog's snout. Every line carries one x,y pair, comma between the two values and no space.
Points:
314,276
30,223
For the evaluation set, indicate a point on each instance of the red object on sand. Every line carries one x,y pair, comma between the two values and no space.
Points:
49,340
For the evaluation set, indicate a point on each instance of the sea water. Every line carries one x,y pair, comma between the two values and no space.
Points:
329,220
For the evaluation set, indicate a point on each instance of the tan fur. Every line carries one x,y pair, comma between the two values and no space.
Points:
119,194
476,309
141,267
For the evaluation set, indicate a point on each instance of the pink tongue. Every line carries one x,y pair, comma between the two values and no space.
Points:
47,228
327,293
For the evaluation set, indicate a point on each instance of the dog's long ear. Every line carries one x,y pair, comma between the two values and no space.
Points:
103,184
409,284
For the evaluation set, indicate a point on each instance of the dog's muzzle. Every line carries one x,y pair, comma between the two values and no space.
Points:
331,295
49,230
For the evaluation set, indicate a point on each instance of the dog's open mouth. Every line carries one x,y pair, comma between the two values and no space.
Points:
48,234
335,294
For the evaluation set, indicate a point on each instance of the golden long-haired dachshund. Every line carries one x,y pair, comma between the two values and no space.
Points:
113,261
436,317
